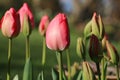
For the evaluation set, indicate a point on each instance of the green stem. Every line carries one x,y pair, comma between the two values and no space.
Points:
98,70
117,72
27,48
104,68
9,57
59,58
44,52
68,64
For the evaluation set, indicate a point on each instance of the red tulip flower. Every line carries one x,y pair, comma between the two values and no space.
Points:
57,34
10,23
25,11
43,25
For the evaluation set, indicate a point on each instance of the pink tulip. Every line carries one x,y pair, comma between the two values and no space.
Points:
25,11
10,23
43,25
57,34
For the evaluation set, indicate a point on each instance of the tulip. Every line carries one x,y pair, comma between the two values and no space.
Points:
95,49
10,24
57,34
80,48
58,38
88,73
95,26
10,27
95,52
42,29
43,25
113,56
26,19
112,53
27,24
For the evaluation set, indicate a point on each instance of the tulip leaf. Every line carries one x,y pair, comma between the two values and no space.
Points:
64,77
80,48
102,30
103,69
88,30
16,77
79,77
55,74
40,76
27,74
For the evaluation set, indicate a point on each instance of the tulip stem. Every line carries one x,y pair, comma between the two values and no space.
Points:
27,48
68,64
9,57
44,53
117,72
59,58
98,70
104,68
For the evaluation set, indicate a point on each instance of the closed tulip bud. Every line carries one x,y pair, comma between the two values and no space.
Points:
80,48
95,49
43,25
57,34
97,26
26,17
10,23
112,53
88,73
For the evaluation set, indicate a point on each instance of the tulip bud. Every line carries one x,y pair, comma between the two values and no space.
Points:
80,48
112,53
57,34
10,23
97,26
88,73
26,17
95,49
43,25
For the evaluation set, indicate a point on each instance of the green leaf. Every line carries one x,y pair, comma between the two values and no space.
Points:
16,77
27,74
79,77
80,48
40,76
64,77
88,29
55,74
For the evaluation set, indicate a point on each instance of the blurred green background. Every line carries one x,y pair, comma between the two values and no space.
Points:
78,12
